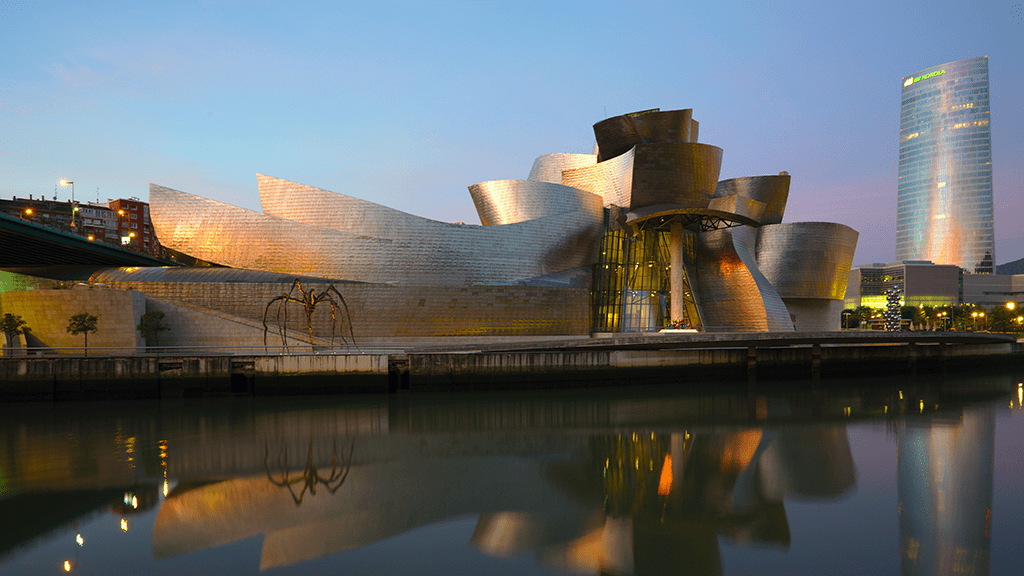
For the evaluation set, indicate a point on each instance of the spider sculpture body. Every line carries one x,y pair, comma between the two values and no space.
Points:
310,476
308,301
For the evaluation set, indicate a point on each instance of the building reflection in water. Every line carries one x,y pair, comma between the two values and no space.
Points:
614,486
613,503
945,493
668,498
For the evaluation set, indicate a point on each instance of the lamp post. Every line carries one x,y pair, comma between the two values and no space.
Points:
74,208
846,319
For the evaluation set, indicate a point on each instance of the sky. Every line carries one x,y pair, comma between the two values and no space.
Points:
406,103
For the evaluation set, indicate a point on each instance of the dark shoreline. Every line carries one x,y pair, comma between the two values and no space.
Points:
569,363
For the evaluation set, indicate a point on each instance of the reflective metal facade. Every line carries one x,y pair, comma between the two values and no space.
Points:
618,135
944,211
612,179
549,167
643,238
772,191
807,259
349,239
732,290
512,201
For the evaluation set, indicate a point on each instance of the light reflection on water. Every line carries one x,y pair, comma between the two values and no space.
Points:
897,477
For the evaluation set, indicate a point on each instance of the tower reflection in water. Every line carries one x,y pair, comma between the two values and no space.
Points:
945,492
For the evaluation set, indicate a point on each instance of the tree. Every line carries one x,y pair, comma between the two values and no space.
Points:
912,313
152,324
1001,319
11,327
82,324
865,313
850,319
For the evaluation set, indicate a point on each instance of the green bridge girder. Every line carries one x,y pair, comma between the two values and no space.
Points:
24,246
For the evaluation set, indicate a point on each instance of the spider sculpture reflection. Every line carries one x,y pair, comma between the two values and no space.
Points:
309,302
310,475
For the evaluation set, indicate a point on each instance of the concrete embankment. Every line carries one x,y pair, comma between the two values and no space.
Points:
572,363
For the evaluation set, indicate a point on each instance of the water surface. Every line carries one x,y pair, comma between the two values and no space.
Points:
883,477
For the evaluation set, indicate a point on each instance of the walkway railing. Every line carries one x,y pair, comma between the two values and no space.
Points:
159,351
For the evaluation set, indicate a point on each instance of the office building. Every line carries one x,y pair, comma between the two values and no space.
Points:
944,211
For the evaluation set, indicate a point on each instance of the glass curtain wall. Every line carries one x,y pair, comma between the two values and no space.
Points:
944,211
632,281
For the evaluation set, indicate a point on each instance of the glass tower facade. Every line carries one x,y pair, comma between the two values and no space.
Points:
944,211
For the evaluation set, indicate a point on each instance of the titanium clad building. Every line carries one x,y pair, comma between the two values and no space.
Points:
637,237
944,211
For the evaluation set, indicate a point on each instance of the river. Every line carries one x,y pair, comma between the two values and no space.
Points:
883,476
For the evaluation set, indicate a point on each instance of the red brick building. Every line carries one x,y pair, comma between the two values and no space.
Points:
134,227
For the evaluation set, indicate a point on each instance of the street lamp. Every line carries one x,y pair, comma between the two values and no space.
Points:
846,319
74,208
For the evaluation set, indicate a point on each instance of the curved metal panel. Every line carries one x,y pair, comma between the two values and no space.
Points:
415,252
617,135
680,173
743,207
194,275
731,290
549,167
772,190
326,209
807,259
612,179
511,201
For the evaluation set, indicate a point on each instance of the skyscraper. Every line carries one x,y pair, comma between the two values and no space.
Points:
944,211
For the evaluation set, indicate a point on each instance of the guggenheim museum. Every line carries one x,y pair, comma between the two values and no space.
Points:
637,237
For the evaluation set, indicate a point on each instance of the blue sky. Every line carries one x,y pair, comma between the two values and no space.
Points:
406,103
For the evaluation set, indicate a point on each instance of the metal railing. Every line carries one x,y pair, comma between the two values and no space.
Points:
201,351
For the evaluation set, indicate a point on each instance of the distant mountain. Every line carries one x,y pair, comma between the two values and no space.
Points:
1015,267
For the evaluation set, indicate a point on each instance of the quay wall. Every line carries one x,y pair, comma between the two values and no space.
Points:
64,377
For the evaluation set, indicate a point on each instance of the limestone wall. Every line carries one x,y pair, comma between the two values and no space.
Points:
47,313
194,327
380,312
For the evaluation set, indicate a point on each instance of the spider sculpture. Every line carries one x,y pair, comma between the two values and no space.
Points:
310,476
308,301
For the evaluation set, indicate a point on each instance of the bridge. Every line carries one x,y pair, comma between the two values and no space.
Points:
24,245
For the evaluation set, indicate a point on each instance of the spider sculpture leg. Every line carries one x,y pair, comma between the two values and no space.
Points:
348,316
334,320
309,304
266,310
345,469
